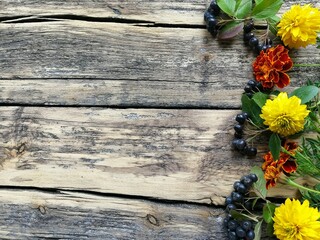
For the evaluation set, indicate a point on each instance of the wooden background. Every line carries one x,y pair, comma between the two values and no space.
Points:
116,119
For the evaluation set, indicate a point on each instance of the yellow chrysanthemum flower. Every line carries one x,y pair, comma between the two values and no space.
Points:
284,115
296,221
298,27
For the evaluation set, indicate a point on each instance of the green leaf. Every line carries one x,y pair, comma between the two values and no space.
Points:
250,106
260,98
230,30
273,22
266,9
275,145
305,93
258,1
257,231
227,6
268,211
259,187
243,8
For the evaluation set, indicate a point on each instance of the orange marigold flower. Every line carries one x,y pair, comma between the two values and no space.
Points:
271,174
273,168
271,66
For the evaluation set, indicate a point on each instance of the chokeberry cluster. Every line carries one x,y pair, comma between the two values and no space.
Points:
250,39
210,17
239,143
243,229
252,87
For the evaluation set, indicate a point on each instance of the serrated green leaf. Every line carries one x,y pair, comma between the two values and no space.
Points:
243,8
257,231
249,106
260,98
268,211
259,187
275,145
227,6
305,93
230,30
266,9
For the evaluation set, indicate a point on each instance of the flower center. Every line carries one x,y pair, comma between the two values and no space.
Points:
283,121
293,231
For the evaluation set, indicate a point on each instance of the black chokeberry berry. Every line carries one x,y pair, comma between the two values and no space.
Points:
246,115
252,83
241,188
214,8
248,89
228,200
240,144
240,118
240,232
268,41
246,225
236,185
207,15
248,27
247,37
232,225
231,206
250,235
238,128
237,197
247,181
253,42
237,135
253,177
232,235
211,25
251,151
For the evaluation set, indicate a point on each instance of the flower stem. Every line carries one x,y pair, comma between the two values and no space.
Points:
306,65
300,187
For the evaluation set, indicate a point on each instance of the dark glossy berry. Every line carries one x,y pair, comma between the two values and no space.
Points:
249,95
253,42
232,225
238,128
231,206
246,225
252,83
211,25
246,115
259,87
253,177
247,89
240,144
246,181
228,200
258,48
250,235
214,8
240,232
238,135
240,118
241,188
269,46
251,151
237,197
232,235
247,37
225,222
248,27
207,15
236,185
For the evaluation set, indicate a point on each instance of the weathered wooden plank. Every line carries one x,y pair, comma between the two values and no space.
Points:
168,154
39,215
169,12
125,93
132,66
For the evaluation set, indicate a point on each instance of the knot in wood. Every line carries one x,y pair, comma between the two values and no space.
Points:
153,220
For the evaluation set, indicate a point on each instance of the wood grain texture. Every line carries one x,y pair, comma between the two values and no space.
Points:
125,65
188,12
167,154
38,215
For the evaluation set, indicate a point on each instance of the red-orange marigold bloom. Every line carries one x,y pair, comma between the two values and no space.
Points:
271,174
285,163
270,67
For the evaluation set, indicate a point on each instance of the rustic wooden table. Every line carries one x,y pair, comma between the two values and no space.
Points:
116,119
